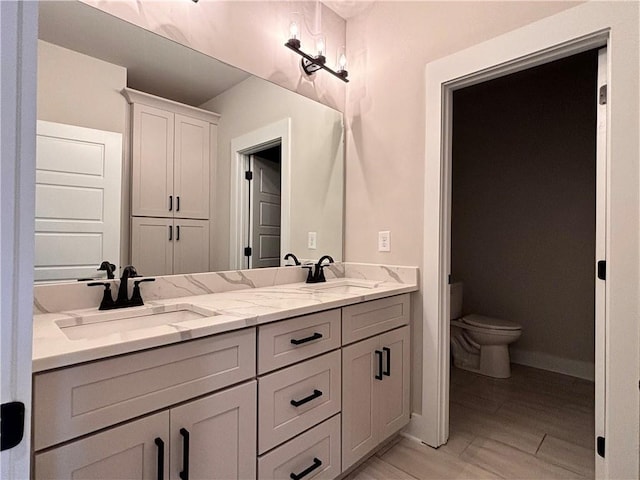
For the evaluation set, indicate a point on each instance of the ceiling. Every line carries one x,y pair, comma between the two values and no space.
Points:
154,63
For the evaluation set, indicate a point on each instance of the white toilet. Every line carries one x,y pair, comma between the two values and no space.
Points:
478,343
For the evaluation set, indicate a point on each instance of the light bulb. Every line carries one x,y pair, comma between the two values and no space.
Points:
293,29
320,45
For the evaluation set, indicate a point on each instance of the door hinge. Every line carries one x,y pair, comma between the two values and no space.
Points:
247,251
600,446
248,175
602,96
602,269
11,424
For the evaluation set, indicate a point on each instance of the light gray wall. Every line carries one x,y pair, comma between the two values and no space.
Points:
523,221
317,164
76,89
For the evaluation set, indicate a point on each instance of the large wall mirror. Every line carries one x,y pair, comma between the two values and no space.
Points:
86,58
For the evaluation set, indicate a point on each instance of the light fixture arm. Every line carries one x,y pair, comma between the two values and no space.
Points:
311,64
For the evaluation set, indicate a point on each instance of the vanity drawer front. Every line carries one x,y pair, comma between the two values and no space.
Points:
289,341
77,400
319,446
364,320
314,385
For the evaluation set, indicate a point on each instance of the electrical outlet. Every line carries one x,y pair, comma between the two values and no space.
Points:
311,240
384,241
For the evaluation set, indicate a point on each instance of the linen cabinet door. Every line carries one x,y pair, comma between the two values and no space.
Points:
136,450
152,245
191,246
214,438
191,167
360,367
394,391
152,162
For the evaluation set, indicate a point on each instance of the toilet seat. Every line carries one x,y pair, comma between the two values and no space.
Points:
481,321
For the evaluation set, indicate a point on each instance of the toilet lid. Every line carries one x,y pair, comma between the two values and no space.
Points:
488,322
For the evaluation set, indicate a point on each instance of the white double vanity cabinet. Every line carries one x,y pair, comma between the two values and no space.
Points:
172,146
302,397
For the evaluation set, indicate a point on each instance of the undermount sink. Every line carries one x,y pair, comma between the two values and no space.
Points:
100,324
343,286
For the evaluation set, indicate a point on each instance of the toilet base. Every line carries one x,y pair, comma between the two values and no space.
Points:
490,360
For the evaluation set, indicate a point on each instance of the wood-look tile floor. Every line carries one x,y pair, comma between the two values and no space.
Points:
534,425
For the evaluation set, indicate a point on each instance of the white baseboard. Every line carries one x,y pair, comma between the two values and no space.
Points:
544,361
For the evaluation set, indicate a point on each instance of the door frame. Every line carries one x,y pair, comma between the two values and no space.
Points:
581,28
241,149
18,86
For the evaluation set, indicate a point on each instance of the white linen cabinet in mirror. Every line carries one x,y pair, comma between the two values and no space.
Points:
172,147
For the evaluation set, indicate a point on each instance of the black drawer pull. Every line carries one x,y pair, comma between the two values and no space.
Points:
177,233
378,375
313,337
178,202
314,395
387,372
170,232
170,202
184,474
160,445
316,463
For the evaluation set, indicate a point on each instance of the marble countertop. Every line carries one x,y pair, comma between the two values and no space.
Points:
216,313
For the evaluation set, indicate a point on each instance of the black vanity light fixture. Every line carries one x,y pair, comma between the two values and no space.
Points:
313,63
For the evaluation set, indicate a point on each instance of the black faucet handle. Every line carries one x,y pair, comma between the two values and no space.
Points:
107,299
136,297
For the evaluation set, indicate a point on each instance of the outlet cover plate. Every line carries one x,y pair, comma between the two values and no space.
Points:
312,241
384,241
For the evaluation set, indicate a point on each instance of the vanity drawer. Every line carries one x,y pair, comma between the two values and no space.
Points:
364,320
314,385
81,399
289,341
318,446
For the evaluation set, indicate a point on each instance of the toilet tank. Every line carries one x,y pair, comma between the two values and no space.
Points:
455,294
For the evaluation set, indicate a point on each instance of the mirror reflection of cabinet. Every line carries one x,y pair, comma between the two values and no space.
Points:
162,246
172,149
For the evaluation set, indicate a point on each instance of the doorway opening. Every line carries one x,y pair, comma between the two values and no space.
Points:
264,207
523,246
266,154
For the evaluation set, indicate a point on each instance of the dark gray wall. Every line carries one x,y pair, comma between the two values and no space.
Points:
523,218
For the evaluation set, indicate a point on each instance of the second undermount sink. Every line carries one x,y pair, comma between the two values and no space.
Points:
100,324
343,285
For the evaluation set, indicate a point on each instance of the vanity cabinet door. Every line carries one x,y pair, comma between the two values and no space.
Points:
152,152
190,246
136,450
191,167
375,400
394,395
215,437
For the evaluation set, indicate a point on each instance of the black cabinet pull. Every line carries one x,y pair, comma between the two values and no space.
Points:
177,233
184,474
178,203
160,445
315,336
314,395
378,375
170,232
297,476
387,372
170,202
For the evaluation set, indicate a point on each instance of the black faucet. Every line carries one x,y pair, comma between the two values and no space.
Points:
122,300
292,256
318,275
123,291
109,268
